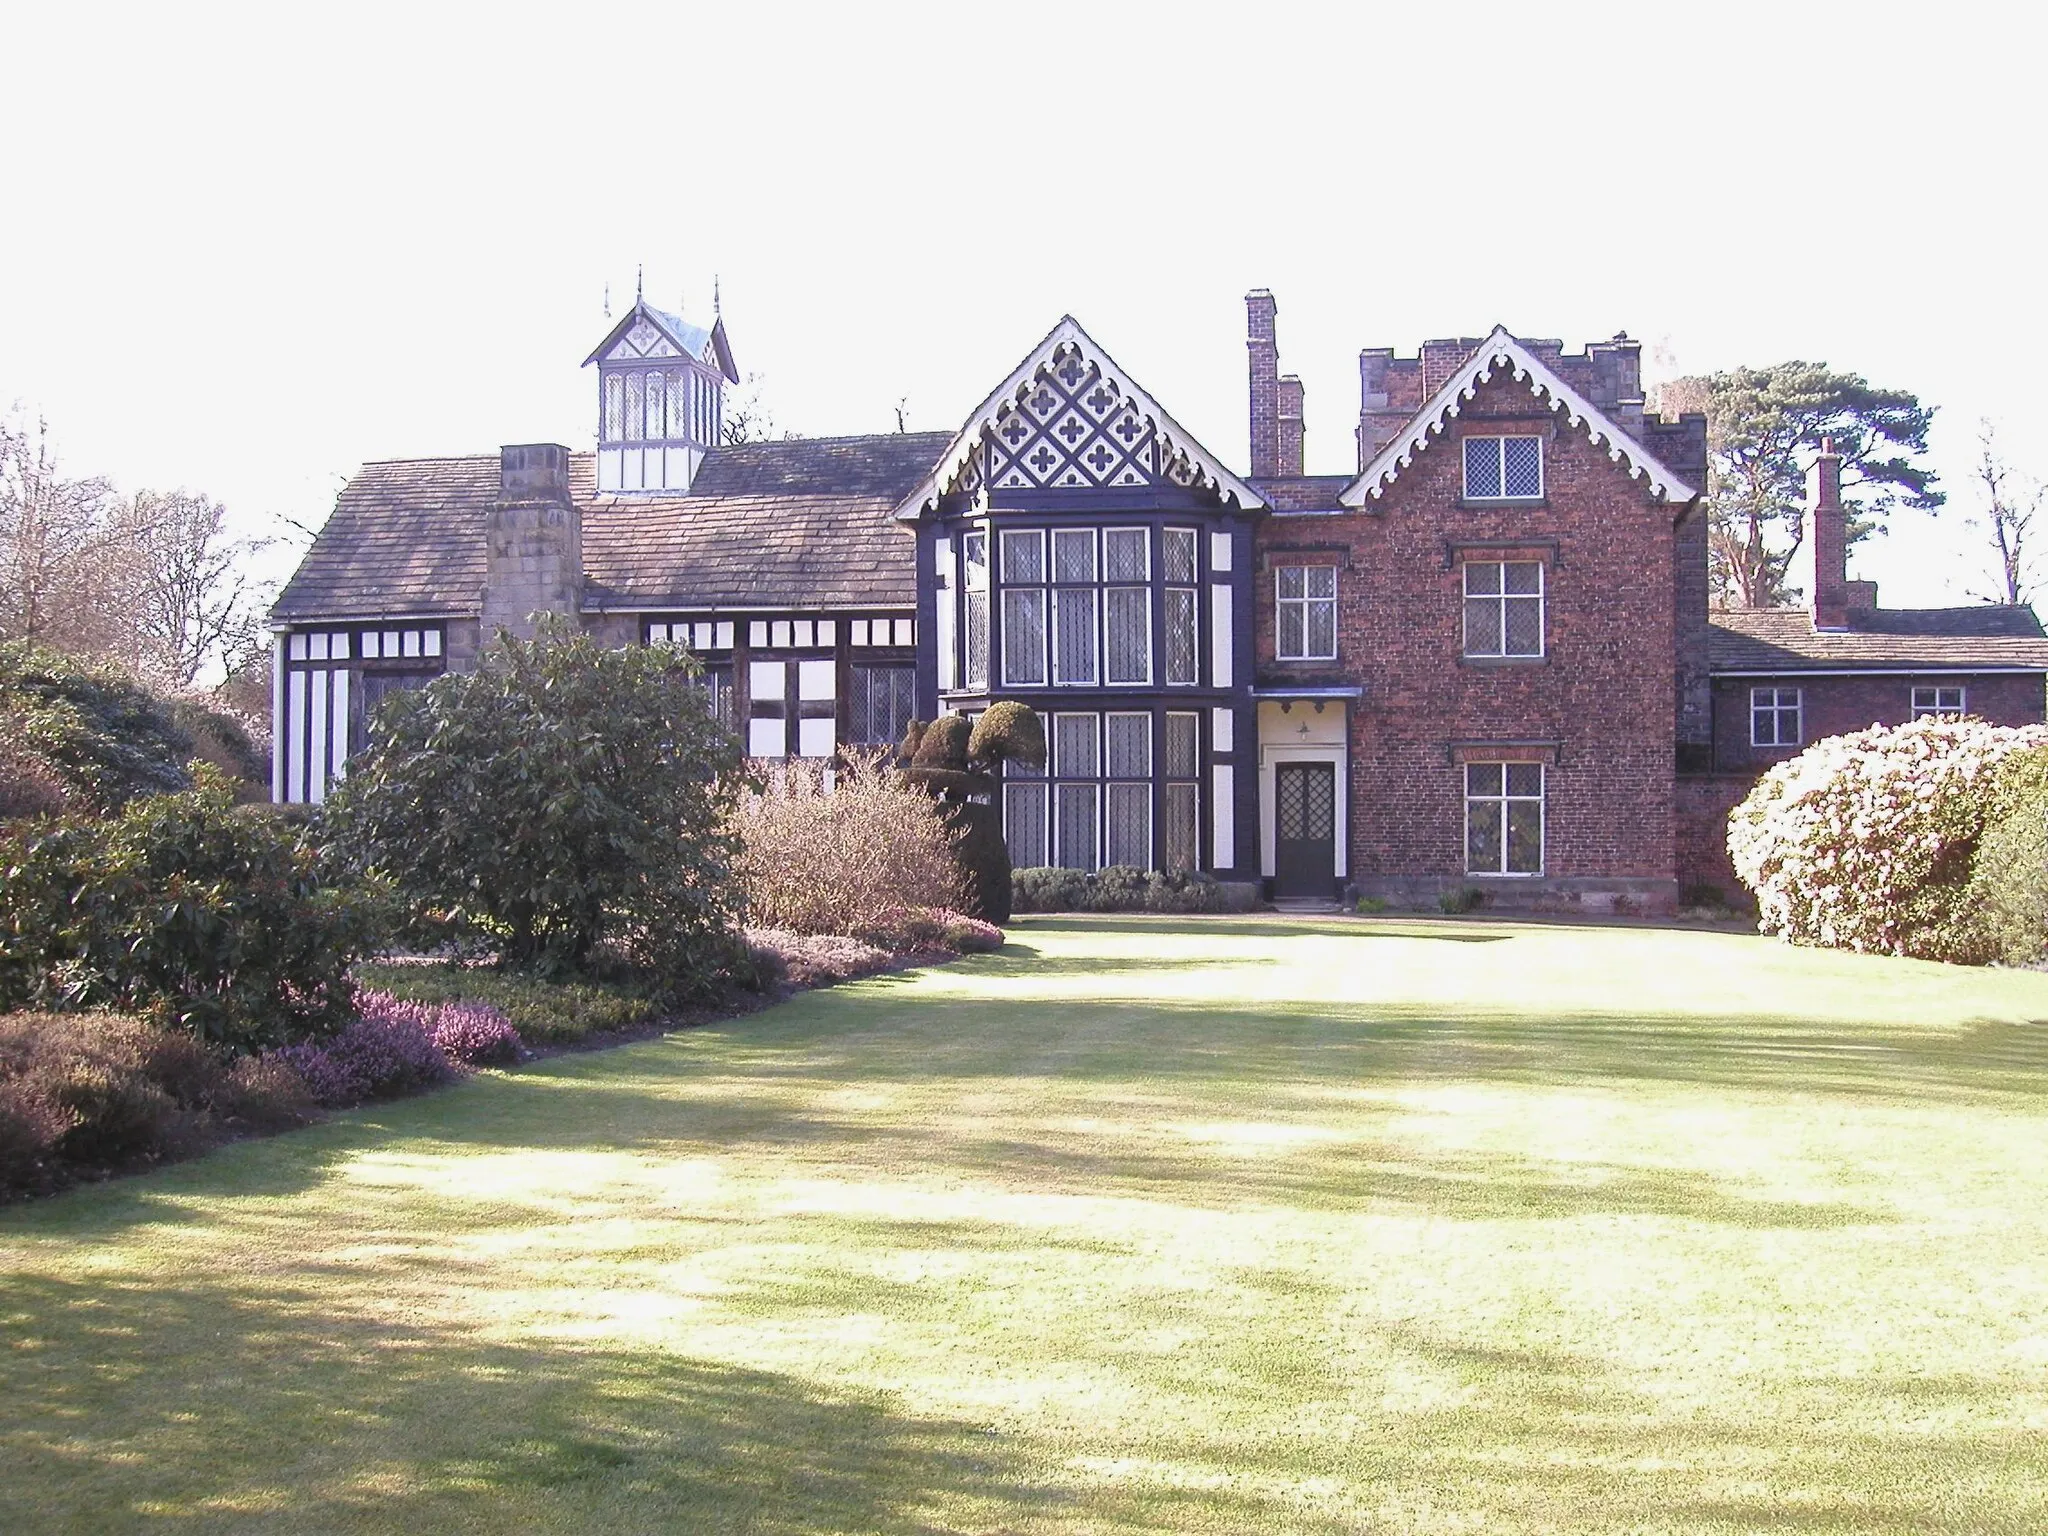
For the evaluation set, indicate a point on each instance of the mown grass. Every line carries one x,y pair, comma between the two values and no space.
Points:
1138,1225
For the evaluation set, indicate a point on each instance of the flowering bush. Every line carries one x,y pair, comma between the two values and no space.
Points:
475,1035
1865,841
851,854
380,1056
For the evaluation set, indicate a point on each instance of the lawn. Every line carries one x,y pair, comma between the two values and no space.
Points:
1138,1225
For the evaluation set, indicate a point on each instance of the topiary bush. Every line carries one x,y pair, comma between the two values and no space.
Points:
1866,841
957,763
1121,888
185,908
564,798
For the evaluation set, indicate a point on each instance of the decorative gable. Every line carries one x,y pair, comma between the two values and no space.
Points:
1502,352
1069,419
642,339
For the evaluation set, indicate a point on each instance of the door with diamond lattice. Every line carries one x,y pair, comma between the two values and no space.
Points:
1305,827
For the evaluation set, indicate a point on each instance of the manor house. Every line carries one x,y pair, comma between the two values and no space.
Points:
1485,658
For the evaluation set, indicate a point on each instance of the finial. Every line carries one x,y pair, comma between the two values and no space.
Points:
607,298
714,296
639,284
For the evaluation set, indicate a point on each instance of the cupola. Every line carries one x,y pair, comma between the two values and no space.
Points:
661,400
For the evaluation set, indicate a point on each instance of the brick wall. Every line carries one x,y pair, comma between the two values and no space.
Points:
1701,813
1611,604
1832,706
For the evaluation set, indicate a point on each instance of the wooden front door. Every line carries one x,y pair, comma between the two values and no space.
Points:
1305,823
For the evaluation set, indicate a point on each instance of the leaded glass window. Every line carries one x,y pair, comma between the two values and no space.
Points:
880,703
1077,755
657,406
636,405
1503,468
1183,634
1180,795
1503,608
614,408
1504,818
974,565
1127,805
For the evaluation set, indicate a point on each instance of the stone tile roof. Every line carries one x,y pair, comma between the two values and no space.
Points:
800,523
1933,639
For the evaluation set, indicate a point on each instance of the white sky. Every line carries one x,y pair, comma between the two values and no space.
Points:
245,251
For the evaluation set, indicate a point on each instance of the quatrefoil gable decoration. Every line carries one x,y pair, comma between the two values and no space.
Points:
1069,419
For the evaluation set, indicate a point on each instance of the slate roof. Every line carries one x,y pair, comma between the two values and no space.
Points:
804,524
1890,639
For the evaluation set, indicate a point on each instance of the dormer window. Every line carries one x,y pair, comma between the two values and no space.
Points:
1503,468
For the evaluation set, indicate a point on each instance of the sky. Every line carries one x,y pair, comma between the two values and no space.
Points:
250,249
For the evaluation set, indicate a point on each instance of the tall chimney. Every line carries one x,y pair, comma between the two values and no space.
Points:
1292,430
1827,537
1262,341
533,540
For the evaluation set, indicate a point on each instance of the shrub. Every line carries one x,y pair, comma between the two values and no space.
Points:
184,908
1007,731
104,735
29,784
849,855
1459,900
561,797
816,959
88,1091
541,1012
2007,897
1119,888
223,739
382,1056
1865,841
1369,905
958,764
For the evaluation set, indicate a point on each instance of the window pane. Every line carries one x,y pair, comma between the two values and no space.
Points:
1123,555
1293,637
1127,835
1291,578
1130,746
1130,635
879,710
1525,837
1322,629
1077,825
1181,638
1524,456
1482,466
1483,836
1482,778
614,408
1525,779
1177,844
974,553
678,392
657,405
1482,626
1321,580
1024,556
1074,611
1524,576
1178,548
636,390
1482,576
1075,744
977,640
1024,634
1073,554
1525,626
1024,824
1180,748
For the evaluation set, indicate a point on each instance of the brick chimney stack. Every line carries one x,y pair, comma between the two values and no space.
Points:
1262,341
1293,431
533,540
1827,540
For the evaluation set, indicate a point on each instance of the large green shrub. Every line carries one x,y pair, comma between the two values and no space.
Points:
186,908
2007,898
103,734
561,798
1866,841
851,851
958,764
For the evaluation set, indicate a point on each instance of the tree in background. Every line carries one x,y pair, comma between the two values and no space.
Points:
56,536
2012,503
194,602
1763,427
747,418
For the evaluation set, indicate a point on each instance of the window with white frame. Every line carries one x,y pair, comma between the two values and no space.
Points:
1774,717
1504,818
1023,569
1074,597
974,581
1305,612
1938,701
1127,605
1182,624
1127,797
1503,468
1026,797
879,703
1504,608
1180,792
1077,790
